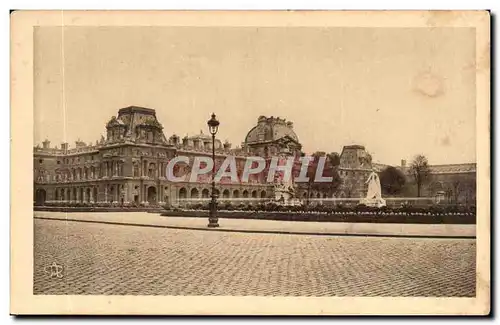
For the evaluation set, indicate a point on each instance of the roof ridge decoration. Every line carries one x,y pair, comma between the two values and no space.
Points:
150,123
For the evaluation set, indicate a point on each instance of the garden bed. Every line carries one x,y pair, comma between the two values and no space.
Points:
337,216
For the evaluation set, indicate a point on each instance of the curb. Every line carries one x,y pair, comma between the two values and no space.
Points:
281,232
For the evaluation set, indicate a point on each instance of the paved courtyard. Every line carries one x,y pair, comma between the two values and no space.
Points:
94,258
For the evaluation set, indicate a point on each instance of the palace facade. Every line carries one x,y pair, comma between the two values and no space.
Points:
128,166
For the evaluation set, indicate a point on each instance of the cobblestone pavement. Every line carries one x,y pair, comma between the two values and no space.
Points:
130,260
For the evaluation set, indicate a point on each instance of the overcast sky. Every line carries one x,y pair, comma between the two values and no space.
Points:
397,91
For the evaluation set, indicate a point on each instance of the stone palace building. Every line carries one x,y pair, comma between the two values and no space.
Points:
128,166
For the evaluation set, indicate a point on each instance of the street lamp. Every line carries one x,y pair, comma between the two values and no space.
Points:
213,221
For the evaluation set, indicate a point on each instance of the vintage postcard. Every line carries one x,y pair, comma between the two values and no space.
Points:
250,163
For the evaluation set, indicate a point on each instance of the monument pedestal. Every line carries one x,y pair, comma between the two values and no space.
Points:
376,203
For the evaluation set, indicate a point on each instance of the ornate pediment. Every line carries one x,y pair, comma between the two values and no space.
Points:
151,123
114,122
288,141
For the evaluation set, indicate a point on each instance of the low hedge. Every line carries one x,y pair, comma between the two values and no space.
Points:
365,217
358,209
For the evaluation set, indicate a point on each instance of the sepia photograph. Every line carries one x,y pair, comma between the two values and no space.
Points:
262,162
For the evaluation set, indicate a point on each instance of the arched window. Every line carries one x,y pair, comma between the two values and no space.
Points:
182,193
195,193
136,169
151,170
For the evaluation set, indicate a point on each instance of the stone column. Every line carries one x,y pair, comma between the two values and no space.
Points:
84,195
126,195
159,194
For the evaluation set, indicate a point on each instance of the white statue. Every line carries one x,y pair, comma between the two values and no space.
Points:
285,191
374,189
374,193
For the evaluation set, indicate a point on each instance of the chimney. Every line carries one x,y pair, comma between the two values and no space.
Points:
46,144
403,163
174,139
64,146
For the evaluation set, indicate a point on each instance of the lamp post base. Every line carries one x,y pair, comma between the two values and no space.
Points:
213,224
213,221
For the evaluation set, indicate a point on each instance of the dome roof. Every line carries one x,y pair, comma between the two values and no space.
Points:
271,129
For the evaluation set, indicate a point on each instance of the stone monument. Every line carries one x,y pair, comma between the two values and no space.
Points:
284,193
374,194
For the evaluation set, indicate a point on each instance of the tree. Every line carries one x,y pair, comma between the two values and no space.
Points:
311,172
419,169
461,185
334,158
334,163
392,180
457,188
470,192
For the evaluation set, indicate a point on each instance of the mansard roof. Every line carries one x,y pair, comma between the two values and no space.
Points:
453,168
271,129
136,109
435,169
